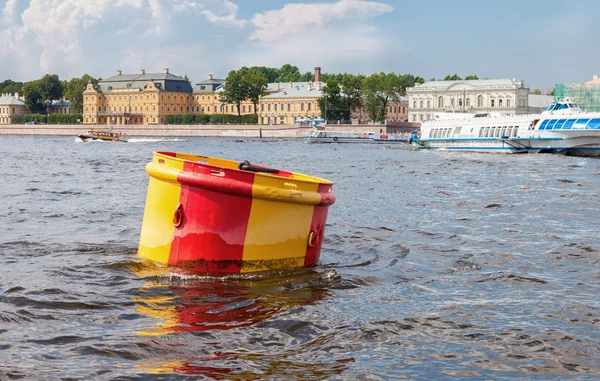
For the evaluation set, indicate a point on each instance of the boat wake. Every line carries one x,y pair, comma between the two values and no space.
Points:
153,140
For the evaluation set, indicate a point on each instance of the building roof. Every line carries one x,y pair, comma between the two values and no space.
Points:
540,101
165,81
209,85
10,100
289,90
446,85
61,103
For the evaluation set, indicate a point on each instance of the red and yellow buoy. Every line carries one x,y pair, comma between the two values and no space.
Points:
216,215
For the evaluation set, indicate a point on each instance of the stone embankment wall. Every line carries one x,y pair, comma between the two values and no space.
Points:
255,131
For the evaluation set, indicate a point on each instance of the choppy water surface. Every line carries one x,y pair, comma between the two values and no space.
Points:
434,266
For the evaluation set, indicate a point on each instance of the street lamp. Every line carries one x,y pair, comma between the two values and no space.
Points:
48,102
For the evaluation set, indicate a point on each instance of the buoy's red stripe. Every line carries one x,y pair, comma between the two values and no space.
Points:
214,227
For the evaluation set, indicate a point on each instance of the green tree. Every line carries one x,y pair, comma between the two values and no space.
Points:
453,77
256,87
11,87
235,90
51,89
379,89
73,91
333,104
352,88
32,93
536,92
471,77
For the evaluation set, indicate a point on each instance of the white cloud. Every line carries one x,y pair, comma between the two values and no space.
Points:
294,19
194,37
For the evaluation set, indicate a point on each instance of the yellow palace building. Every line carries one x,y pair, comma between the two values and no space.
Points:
146,98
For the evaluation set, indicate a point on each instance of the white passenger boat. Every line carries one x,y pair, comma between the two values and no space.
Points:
330,136
563,128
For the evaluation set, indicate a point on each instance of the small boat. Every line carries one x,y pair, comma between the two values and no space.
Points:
330,136
106,135
563,128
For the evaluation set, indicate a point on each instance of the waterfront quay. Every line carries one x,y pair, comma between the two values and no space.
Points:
232,131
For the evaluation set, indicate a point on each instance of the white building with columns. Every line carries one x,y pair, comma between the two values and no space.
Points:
505,96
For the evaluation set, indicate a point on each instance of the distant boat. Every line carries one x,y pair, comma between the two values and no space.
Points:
330,136
106,135
563,128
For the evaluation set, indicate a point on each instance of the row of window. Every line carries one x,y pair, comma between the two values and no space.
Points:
568,124
484,132
498,132
5,110
440,102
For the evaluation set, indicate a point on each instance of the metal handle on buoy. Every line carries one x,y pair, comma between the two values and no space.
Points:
178,216
246,166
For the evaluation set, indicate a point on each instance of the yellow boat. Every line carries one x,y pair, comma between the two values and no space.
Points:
106,135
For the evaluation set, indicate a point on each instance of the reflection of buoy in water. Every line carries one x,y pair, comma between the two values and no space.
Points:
208,215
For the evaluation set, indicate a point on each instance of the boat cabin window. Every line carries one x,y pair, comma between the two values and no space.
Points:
573,105
594,124
543,125
568,124
509,131
559,124
551,106
497,133
503,133
551,124
580,123
457,130
487,132
515,130
481,131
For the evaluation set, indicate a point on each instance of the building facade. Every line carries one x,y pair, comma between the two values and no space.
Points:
396,111
11,105
142,98
60,107
505,96
147,98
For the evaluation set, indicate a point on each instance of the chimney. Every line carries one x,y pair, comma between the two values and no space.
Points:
17,95
319,86
143,71
166,70
291,84
278,86
309,86
596,76
317,74
119,72
210,76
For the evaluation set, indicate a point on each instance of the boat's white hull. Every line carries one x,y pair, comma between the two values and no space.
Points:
583,145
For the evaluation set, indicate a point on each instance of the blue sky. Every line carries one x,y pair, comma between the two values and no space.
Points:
543,42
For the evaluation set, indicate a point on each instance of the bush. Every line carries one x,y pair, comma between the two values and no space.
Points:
36,118
64,118
211,119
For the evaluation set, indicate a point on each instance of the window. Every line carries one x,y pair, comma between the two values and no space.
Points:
308,106
421,104
440,101
275,106
452,102
499,102
508,103
481,131
480,101
301,106
503,133
262,107
414,104
269,107
289,107
460,103
492,103
428,105
468,101
515,130
497,133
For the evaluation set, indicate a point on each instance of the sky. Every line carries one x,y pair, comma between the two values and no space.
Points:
543,42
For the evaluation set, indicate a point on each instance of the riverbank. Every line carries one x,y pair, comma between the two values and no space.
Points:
248,131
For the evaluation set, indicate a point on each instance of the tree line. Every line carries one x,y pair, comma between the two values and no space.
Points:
40,93
342,93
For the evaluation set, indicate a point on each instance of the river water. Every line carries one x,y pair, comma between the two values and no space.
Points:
434,266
